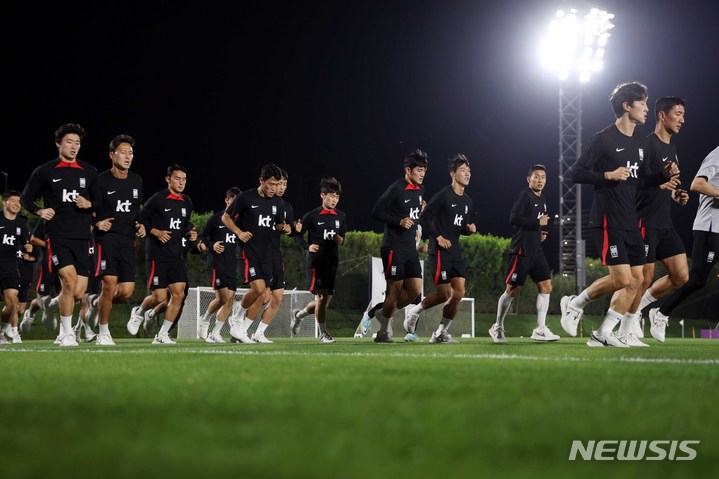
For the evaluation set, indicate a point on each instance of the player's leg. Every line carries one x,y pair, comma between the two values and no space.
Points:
174,303
455,290
323,298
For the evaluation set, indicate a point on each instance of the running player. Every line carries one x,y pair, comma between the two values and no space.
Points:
166,217
445,218
706,243
326,227
221,267
68,187
14,232
399,208
526,257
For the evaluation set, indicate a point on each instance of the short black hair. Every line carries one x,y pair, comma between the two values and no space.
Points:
536,167
232,191
627,93
456,161
175,167
330,185
284,174
9,194
68,128
415,159
271,170
666,103
120,139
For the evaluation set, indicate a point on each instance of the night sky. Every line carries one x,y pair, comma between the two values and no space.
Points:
341,88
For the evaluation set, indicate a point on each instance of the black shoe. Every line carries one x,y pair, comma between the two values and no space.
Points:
383,337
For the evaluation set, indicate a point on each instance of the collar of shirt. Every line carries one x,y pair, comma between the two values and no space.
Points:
411,186
173,196
68,164
327,212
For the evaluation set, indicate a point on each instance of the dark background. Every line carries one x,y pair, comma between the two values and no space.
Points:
341,88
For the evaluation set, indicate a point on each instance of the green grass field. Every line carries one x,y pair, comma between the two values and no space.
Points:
353,409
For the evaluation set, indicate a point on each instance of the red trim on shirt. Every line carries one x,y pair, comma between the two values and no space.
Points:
327,212
411,186
173,196
68,164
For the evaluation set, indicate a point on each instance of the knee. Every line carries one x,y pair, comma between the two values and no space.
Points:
680,279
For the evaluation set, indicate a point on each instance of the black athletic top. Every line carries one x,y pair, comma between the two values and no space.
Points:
400,200
169,212
447,215
258,215
58,183
526,231
120,199
13,236
321,225
287,216
214,231
653,204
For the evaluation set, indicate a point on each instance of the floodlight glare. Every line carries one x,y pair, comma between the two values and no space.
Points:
573,44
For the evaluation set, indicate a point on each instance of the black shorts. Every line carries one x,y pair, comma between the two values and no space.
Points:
519,266
221,278
24,291
446,264
277,281
661,243
161,274
47,281
69,252
400,264
619,246
705,251
9,276
254,268
116,261
321,274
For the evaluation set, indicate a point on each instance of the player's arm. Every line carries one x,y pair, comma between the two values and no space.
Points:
518,216
429,220
300,238
381,208
583,170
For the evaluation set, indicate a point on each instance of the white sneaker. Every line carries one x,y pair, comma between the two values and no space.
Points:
634,342
570,315
204,328
260,338
68,339
497,334
365,322
90,337
295,323
443,337
598,340
658,324
148,321
543,333
16,339
410,319
136,319
240,334
91,312
27,320
3,340
104,339
163,338
326,338
214,338
638,327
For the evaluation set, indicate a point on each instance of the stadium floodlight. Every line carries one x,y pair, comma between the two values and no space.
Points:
574,45
572,50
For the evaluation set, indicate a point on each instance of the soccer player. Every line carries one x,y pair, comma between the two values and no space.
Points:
326,227
14,233
706,243
445,218
47,281
613,163
526,258
26,266
252,217
116,226
661,241
277,281
221,243
399,208
166,217
68,187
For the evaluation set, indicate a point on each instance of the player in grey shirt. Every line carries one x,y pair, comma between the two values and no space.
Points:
706,242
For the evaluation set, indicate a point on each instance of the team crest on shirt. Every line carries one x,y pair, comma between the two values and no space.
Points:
82,182
252,271
17,231
710,257
641,154
135,193
274,210
337,223
184,212
614,251
466,209
420,199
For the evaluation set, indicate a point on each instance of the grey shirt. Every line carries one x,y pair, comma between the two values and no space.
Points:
707,218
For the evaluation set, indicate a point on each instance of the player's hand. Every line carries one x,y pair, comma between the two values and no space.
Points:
140,230
313,248
163,235
105,225
620,174
339,240
83,203
406,223
46,213
286,228
472,228
680,196
672,184
670,169
28,247
424,205
218,247
443,242
245,236
544,220
298,226
543,235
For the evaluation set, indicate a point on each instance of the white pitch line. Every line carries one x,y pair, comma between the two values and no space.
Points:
479,356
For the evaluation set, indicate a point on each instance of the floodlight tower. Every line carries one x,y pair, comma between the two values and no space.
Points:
572,50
